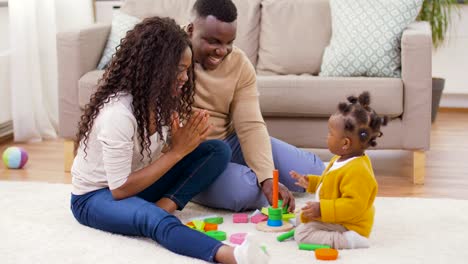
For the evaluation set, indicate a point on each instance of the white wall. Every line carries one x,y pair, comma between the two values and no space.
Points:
5,109
104,10
5,105
4,36
450,61
73,14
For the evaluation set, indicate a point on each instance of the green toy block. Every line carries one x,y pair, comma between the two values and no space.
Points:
265,211
264,249
199,225
214,220
280,205
286,217
216,234
304,246
285,236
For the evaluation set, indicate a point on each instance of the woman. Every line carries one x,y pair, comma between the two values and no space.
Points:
125,179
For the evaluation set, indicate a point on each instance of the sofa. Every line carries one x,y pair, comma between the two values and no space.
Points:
285,41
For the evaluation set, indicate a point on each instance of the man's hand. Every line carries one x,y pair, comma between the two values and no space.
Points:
284,194
311,210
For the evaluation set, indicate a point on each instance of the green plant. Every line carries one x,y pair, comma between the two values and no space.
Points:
438,13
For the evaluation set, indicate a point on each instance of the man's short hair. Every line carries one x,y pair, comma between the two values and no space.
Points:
223,10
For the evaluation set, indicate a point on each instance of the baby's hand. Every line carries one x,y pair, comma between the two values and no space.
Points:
311,210
302,180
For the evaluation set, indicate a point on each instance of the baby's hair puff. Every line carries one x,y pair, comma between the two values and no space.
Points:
362,120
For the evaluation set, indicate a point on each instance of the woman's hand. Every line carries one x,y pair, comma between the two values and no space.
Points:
185,139
301,180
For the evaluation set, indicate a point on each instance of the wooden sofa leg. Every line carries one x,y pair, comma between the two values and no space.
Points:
69,154
419,166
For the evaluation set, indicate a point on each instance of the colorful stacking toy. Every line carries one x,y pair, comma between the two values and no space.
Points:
275,222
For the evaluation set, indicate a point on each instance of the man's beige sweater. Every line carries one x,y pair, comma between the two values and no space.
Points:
230,95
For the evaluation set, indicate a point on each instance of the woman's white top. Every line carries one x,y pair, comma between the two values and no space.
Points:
113,150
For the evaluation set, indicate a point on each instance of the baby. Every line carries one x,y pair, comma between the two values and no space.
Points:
343,213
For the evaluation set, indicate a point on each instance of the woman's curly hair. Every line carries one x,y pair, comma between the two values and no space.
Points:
145,65
362,120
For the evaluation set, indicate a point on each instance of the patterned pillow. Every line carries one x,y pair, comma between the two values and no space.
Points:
366,36
121,23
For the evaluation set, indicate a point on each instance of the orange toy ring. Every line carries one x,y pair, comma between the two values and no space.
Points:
326,254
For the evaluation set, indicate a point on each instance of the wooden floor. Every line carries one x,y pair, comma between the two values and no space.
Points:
446,162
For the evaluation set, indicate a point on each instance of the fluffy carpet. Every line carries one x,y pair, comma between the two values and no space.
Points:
36,226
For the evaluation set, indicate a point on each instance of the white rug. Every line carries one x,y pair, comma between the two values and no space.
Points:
36,226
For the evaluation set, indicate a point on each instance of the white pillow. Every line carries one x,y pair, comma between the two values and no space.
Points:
366,37
121,24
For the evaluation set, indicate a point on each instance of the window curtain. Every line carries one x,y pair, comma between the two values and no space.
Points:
33,62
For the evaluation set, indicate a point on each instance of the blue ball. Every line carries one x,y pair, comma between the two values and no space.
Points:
15,157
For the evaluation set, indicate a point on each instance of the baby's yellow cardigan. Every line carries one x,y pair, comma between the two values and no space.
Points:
347,195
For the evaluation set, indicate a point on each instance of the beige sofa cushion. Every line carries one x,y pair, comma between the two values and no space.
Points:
307,96
293,36
248,27
312,96
248,24
87,85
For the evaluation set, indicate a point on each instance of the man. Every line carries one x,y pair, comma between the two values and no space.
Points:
226,88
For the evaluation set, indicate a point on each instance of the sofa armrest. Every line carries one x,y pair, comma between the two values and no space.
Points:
78,52
416,63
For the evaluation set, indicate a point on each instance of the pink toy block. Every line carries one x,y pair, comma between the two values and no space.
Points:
240,218
237,238
258,218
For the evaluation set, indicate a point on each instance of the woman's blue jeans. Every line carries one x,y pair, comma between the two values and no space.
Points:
139,215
